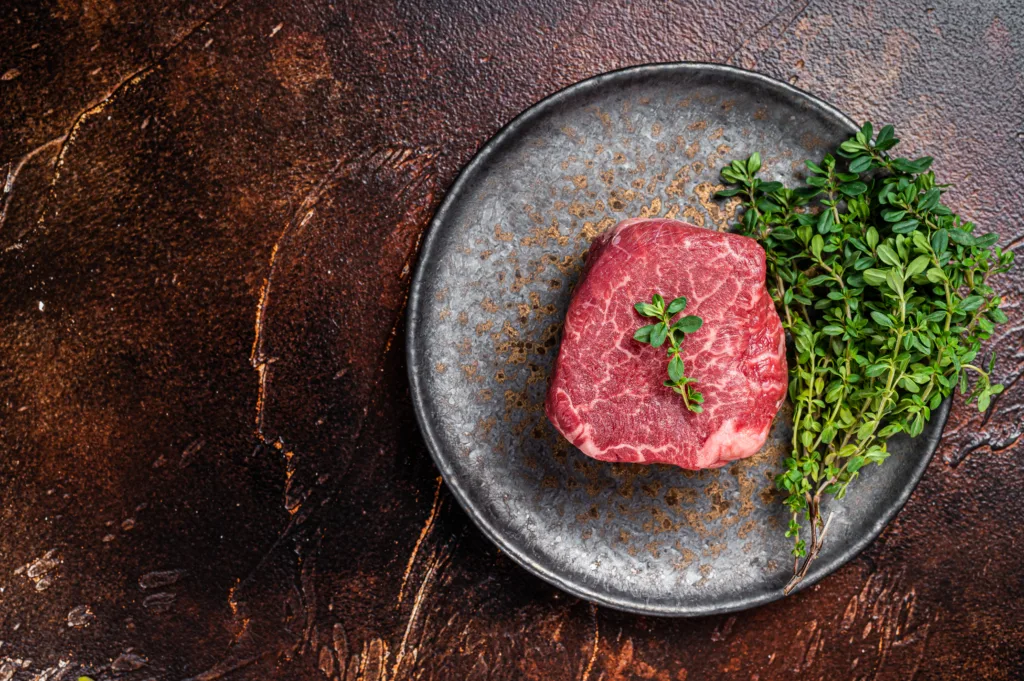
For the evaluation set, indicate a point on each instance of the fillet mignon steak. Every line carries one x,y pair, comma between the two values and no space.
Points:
606,394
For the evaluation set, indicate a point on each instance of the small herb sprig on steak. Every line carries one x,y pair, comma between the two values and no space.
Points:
656,334
886,293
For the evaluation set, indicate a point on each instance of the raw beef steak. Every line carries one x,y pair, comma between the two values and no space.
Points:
606,394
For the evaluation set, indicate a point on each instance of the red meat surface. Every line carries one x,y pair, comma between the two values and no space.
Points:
606,394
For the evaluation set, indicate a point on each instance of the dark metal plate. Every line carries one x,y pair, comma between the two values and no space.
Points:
494,279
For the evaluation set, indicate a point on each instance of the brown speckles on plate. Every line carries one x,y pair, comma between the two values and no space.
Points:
650,539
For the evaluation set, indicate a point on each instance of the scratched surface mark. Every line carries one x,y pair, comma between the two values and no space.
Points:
194,197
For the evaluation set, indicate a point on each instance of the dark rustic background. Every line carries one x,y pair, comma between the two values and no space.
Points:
210,468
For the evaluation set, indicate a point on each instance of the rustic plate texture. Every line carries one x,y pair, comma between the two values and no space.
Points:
493,282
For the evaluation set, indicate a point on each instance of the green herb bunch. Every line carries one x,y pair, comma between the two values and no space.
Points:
656,334
886,294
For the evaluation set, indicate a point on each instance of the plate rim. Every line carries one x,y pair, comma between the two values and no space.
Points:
414,363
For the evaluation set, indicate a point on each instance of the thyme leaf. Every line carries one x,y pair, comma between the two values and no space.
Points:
887,295
664,330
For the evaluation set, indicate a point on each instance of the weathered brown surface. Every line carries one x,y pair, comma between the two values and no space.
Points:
210,466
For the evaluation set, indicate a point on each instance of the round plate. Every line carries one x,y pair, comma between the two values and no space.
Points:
493,282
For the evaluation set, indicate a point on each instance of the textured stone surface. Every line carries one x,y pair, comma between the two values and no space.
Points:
210,465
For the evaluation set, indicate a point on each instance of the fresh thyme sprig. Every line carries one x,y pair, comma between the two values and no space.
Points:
886,294
656,334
